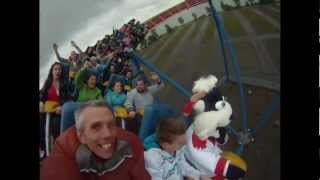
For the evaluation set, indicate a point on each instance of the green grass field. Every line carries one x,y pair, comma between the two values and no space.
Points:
232,26
273,46
195,48
261,25
267,9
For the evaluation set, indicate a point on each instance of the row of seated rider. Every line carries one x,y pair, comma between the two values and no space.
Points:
98,81
141,94
60,84
102,70
119,94
140,89
163,157
115,48
55,93
85,81
137,98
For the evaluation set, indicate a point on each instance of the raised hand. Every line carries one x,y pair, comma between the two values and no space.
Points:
55,46
73,43
132,114
58,111
154,76
197,96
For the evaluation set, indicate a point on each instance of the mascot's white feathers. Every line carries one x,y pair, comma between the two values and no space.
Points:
205,124
199,106
205,83
212,115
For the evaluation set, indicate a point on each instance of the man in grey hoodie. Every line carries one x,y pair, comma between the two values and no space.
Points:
140,97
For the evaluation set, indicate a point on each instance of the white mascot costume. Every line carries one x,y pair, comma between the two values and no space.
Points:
208,131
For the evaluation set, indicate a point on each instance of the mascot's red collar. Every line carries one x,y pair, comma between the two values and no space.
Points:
197,142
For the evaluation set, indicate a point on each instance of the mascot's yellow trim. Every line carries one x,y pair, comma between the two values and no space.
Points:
235,160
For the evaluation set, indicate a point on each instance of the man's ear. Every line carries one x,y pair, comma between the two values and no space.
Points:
81,137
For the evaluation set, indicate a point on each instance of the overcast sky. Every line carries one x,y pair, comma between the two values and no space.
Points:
86,21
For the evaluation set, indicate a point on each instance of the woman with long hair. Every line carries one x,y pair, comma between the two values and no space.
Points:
53,94
54,87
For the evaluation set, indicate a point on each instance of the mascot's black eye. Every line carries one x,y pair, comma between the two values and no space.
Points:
210,107
220,105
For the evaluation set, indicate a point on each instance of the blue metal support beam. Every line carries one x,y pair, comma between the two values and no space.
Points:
225,39
240,148
232,130
216,19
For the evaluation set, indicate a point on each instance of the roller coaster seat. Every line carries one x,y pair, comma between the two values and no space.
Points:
67,115
51,106
120,112
152,115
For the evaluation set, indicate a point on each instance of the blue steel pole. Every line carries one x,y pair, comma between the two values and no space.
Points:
136,66
267,114
240,149
232,130
223,34
175,84
236,66
215,18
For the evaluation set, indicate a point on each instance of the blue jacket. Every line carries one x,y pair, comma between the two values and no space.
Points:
151,142
115,99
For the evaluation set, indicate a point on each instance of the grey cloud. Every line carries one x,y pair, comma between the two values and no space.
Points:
60,18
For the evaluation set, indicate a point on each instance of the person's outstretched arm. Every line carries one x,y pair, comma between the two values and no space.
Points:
80,78
186,169
98,53
159,84
154,164
56,52
129,104
76,46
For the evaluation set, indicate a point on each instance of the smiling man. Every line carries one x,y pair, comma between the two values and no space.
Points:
95,149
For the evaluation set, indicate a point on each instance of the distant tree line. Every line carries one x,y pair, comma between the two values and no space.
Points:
227,7
266,1
168,28
153,37
181,20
